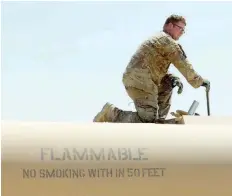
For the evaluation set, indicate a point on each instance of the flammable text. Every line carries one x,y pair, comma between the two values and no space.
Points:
102,154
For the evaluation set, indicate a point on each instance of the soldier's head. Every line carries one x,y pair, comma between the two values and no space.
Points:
175,26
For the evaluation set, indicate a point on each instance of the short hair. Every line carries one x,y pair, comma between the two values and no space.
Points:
174,19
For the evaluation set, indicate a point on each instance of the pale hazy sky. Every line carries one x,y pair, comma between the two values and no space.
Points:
61,61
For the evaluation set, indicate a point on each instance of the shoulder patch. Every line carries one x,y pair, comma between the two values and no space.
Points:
183,55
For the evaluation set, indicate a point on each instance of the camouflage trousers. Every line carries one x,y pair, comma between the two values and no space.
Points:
150,106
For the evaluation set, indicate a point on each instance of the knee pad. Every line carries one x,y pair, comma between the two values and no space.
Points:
148,115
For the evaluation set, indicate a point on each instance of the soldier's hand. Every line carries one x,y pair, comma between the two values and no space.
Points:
176,82
206,84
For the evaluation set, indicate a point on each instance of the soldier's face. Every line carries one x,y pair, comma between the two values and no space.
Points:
177,30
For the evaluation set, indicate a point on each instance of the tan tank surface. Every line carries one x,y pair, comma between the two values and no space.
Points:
193,157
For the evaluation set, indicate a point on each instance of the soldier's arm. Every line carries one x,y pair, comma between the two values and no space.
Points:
178,58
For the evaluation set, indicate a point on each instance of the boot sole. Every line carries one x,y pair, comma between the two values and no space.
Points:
100,116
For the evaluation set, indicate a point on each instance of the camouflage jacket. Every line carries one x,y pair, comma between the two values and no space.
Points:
151,62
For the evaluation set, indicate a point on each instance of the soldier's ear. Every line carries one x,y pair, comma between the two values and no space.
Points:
171,25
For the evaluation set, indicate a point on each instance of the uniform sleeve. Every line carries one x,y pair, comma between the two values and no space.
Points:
178,58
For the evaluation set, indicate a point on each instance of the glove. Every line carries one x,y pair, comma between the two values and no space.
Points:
206,84
176,82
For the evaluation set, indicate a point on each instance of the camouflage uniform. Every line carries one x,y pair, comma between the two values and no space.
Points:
148,83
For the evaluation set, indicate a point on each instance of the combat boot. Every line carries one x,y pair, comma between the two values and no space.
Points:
111,113
105,114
